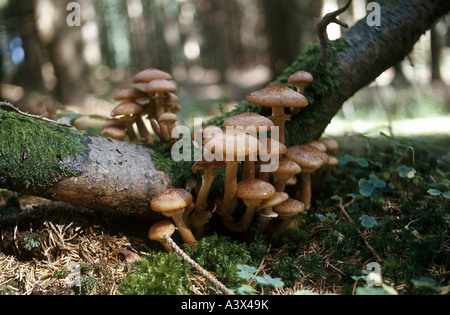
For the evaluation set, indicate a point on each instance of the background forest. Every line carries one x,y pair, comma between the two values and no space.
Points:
217,51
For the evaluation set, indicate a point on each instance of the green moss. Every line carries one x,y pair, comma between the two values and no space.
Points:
37,153
159,274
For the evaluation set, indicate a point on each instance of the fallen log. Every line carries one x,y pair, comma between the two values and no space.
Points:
63,164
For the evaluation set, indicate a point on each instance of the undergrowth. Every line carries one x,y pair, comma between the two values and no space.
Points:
385,205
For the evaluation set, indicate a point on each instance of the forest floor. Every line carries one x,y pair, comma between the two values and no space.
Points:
384,211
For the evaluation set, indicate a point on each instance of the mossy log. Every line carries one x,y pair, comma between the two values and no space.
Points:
62,164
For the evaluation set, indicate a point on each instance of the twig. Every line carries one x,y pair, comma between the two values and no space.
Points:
374,252
197,267
5,104
325,43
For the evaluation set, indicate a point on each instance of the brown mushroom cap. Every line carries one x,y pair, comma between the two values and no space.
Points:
148,75
160,228
289,208
331,144
114,122
254,190
130,93
287,168
300,77
175,107
276,199
168,118
277,95
307,157
318,145
332,161
126,109
160,86
114,132
171,199
233,144
204,164
249,119
272,144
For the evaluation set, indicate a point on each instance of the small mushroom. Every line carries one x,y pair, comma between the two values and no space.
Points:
252,192
300,80
158,230
286,170
269,149
129,113
150,74
331,144
172,203
132,94
114,128
287,211
253,124
232,147
201,215
309,159
168,120
277,96
266,213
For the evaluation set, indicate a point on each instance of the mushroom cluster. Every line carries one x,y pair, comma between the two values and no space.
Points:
264,181
156,100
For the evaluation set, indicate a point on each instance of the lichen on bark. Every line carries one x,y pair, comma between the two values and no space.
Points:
34,153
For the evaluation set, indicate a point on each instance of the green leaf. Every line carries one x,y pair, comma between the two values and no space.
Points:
245,290
267,280
368,222
378,183
365,187
446,194
246,272
406,172
434,192
426,282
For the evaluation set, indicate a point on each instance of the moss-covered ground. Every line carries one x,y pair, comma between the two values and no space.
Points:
383,211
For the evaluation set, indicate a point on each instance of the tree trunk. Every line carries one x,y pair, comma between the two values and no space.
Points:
119,176
370,51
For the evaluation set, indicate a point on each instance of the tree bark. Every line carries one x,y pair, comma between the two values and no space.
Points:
118,176
370,51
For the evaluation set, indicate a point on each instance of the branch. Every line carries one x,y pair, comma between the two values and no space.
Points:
323,37
5,104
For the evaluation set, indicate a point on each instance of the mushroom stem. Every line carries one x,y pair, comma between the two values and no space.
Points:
244,223
183,229
145,135
208,177
229,196
304,192
265,218
249,169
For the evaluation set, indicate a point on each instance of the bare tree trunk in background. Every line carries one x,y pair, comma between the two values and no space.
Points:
19,20
64,46
435,48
